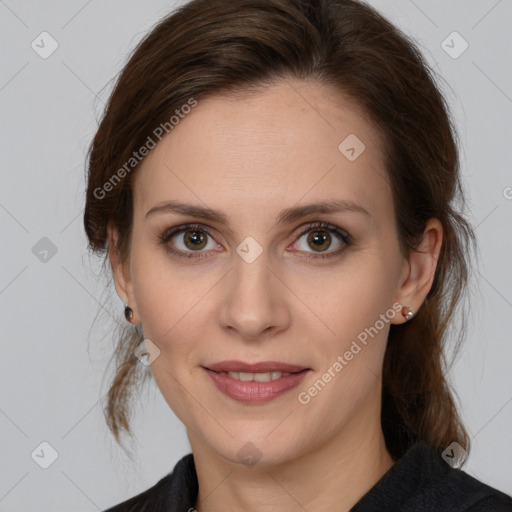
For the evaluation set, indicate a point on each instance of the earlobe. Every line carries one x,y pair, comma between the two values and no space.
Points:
422,265
407,313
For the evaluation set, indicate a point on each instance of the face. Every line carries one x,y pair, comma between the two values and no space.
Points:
269,278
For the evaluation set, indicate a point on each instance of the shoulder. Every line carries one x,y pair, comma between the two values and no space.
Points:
451,488
472,495
151,499
174,491
422,481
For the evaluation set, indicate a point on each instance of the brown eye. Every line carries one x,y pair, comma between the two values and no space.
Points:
195,240
319,240
188,241
321,237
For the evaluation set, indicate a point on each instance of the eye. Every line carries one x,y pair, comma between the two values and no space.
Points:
188,240
320,238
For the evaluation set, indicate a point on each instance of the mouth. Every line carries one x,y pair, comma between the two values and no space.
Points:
255,383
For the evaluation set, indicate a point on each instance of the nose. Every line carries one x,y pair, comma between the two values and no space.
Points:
254,302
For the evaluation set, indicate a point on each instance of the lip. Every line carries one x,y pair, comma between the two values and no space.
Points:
252,391
262,367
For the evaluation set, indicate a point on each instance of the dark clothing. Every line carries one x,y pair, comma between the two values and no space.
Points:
420,481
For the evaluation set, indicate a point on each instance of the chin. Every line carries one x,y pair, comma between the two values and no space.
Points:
254,449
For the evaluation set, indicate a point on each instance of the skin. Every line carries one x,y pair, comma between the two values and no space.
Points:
251,157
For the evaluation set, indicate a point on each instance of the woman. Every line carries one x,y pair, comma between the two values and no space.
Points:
273,183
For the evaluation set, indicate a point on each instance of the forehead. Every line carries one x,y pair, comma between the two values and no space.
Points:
292,141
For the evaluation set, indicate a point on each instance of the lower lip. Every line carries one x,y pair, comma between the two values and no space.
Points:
252,391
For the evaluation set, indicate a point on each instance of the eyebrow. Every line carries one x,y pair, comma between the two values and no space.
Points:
288,215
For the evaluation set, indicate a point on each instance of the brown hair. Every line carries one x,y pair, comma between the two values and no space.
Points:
220,46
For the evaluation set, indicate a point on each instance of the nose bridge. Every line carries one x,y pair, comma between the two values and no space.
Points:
254,299
251,268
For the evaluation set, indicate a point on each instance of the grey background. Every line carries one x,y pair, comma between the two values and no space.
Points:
51,375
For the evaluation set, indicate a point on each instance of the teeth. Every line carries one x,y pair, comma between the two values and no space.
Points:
258,377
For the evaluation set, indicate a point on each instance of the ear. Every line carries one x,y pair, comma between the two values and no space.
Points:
121,272
419,269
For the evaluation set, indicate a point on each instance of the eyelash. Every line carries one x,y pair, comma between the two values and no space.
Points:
164,238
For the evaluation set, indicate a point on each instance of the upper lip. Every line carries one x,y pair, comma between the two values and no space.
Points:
261,367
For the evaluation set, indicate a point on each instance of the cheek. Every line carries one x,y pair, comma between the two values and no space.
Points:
354,315
350,299
166,298
350,366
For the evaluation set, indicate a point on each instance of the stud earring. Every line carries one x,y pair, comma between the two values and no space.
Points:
128,313
407,312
